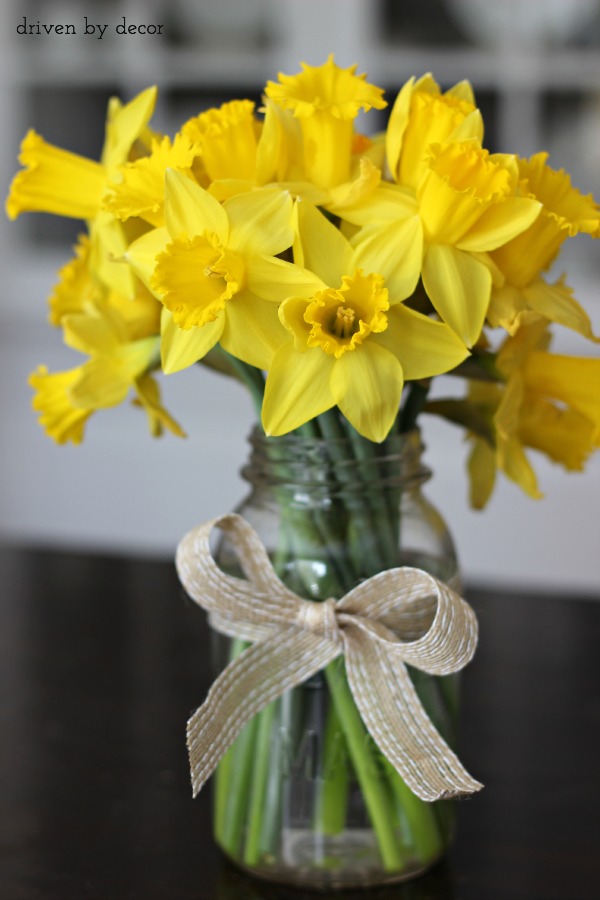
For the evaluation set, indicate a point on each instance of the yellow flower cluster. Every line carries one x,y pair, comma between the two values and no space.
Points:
340,266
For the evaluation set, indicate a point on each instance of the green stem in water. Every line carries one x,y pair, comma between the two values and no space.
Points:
232,781
332,799
260,772
374,788
237,788
420,816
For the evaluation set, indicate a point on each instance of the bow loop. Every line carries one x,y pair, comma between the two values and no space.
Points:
399,616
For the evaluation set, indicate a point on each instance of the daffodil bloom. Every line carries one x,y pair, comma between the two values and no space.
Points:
226,139
468,206
423,115
214,268
549,402
59,417
326,100
138,188
121,339
76,291
565,212
237,152
66,184
65,402
352,343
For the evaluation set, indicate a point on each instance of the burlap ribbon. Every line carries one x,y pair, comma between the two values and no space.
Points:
396,617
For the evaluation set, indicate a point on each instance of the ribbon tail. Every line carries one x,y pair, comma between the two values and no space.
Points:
260,674
393,714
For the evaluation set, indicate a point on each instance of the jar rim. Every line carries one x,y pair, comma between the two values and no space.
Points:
294,459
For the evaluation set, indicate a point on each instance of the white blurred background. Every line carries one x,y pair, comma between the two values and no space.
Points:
536,71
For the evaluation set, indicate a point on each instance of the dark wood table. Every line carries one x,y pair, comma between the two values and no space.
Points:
102,659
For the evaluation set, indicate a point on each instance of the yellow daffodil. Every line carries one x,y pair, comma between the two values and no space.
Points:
238,152
565,212
66,184
351,343
226,139
76,291
468,206
423,115
121,353
549,403
59,417
214,268
138,188
326,100
121,338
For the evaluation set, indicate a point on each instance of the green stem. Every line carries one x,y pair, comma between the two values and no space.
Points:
375,792
232,781
422,823
413,406
238,785
362,528
260,772
332,800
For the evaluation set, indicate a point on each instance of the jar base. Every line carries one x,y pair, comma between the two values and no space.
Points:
346,863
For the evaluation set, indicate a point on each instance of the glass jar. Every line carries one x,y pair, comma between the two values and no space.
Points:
297,799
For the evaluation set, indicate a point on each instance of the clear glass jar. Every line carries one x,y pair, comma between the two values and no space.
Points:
296,800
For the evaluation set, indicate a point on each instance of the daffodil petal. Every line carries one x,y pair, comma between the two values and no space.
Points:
396,252
190,210
397,123
557,303
125,125
180,349
459,287
515,465
260,221
324,248
500,223
252,332
424,346
511,457
275,279
297,389
107,249
463,90
141,254
470,127
89,334
101,384
387,203
481,469
507,308
367,385
148,395
351,193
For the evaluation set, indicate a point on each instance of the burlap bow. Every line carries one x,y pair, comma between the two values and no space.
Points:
398,616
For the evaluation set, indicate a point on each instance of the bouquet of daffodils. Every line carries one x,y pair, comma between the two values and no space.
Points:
349,269
336,274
